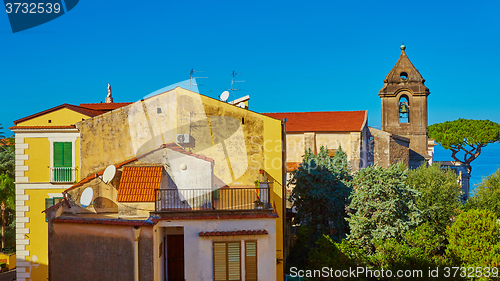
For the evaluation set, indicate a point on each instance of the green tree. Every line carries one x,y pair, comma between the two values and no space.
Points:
7,157
474,239
382,206
7,204
439,199
487,195
321,190
465,136
419,250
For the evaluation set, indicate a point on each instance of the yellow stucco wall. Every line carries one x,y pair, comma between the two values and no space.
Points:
61,117
273,167
38,234
38,159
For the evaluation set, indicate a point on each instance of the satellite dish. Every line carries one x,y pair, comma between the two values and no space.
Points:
86,197
224,96
242,105
109,173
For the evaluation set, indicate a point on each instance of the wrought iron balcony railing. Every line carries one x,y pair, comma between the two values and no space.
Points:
232,198
62,174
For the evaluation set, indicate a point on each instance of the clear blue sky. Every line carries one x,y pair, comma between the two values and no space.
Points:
293,55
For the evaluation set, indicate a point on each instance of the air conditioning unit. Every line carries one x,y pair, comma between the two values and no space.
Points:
182,138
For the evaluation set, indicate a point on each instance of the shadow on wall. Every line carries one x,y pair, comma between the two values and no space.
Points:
31,269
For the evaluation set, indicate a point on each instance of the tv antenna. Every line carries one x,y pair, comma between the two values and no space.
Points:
191,77
233,74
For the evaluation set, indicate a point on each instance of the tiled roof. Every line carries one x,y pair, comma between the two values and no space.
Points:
104,221
234,232
173,146
324,121
99,173
89,109
42,127
104,106
138,183
292,166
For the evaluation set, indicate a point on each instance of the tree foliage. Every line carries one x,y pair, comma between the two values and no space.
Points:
7,157
382,206
474,239
487,196
439,199
321,190
465,136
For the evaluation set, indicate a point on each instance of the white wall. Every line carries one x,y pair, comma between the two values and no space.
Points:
198,250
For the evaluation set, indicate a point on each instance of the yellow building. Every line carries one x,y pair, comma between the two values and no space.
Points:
197,186
47,163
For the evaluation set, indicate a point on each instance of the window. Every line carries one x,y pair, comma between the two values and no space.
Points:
49,202
403,76
63,162
251,260
404,110
227,260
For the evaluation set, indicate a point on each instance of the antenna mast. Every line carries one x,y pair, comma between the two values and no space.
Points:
233,74
191,77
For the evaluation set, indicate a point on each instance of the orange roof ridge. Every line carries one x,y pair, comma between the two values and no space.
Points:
99,173
328,111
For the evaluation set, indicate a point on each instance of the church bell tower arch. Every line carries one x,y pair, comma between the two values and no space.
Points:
404,106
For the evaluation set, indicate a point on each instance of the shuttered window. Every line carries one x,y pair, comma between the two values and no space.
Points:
227,261
251,261
63,154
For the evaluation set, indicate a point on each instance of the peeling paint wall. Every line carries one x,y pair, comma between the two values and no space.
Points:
103,252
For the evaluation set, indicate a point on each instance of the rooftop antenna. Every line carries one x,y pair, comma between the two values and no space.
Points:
233,74
191,77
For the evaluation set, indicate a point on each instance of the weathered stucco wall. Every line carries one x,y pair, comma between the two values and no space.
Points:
103,252
216,129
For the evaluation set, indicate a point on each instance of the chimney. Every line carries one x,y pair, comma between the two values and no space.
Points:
109,98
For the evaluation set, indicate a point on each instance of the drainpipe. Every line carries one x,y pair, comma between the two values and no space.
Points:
137,232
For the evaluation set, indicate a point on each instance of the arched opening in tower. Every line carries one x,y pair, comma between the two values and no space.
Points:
404,110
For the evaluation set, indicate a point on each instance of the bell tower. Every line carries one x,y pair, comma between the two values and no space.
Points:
404,106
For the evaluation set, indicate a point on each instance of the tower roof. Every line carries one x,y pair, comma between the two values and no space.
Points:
404,75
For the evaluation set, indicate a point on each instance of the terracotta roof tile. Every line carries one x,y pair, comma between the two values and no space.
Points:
103,221
292,166
104,106
324,121
99,173
173,146
138,183
89,109
42,127
234,232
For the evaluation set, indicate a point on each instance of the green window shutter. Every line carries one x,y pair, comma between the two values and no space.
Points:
63,154
58,154
67,154
49,202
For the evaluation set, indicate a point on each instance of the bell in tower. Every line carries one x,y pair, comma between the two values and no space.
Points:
404,106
